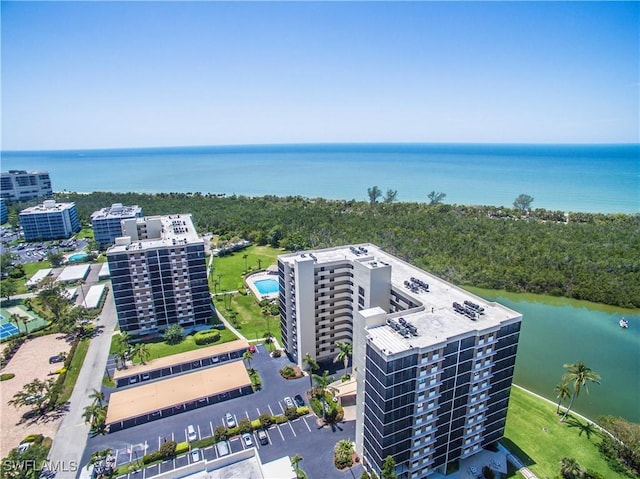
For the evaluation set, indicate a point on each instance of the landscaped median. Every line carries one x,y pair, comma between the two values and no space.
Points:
171,449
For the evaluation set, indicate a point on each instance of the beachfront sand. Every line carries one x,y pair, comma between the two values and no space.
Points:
31,361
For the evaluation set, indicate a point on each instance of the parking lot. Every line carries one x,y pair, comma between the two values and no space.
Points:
38,250
301,436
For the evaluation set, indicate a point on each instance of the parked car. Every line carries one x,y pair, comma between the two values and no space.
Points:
288,402
298,400
229,420
262,437
191,433
58,358
247,440
195,455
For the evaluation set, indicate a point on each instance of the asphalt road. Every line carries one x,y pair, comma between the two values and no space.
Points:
71,437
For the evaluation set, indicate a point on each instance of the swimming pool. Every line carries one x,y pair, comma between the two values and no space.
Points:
77,257
267,286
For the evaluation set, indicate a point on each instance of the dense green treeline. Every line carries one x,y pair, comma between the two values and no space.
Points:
593,257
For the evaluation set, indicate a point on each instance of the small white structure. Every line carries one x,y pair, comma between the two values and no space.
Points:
37,277
70,293
73,273
104,271
94,296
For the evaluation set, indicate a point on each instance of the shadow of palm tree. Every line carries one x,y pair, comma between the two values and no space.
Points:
587,429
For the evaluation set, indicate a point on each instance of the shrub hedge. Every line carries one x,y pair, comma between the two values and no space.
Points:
206,337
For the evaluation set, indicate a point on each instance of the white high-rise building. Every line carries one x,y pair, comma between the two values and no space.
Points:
433,363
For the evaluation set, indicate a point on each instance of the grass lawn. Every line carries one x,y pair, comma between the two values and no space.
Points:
535,434
161,349
232,267
251,322
29,270
74,371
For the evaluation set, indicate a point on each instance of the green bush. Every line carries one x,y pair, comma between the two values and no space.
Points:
206,337
277,353
244,425
288,372
303,411
168,450
174,334
220,433
266,420
291,413
34,438
280,419
7,376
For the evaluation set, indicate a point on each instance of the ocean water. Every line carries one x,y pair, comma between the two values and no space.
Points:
586,178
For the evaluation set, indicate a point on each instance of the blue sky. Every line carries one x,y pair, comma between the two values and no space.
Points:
107,74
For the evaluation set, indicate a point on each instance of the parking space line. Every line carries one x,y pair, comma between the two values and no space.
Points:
199,435
281,435
294,433
270,410
117,450
211,424
258,411
247,413
304,420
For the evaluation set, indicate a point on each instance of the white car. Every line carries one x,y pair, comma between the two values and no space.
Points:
288,402
191,433
195,455
247,440
229,420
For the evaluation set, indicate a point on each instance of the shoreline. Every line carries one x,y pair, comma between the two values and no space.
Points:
572,413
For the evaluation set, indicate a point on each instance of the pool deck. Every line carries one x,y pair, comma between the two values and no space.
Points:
251,279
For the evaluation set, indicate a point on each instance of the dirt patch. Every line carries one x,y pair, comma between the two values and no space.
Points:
31,361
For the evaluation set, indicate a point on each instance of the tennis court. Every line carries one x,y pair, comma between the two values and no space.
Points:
7,330
10,327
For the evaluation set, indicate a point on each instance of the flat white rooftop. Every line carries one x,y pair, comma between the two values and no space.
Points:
94,296
38,276
104,271
49,206
175,230
116,210
434,318
73,273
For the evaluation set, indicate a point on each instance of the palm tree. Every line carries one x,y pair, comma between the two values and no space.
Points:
247,356
570,468
17,319
268,337
142,351
312,364
578,374
98,397
374,193
346,349
244,257
294,462
259,263
322,382
563,391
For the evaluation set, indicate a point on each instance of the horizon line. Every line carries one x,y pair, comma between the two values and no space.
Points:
345,143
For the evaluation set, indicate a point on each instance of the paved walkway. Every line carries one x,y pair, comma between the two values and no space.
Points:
522,469
71,438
